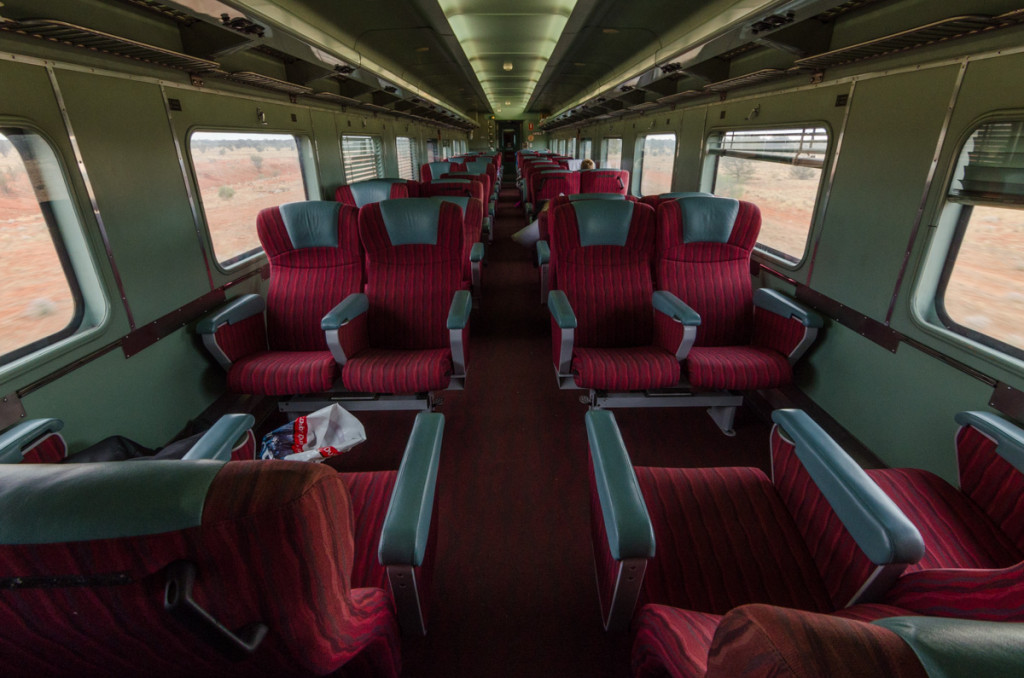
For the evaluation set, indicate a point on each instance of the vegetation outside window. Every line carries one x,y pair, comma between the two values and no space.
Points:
239,174
408,168
979,293
363,157
40,302
611,153
780,171
657,160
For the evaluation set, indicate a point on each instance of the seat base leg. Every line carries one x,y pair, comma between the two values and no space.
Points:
723,418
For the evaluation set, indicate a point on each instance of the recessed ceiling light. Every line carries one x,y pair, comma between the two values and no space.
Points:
508,103
507,66
609,31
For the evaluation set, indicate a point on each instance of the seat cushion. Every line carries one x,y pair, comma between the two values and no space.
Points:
279,373
371,495
624,369
956,532
724,538
671,642
380,370
742,368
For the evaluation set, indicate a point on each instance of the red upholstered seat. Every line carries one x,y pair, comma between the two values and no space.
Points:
316,260
602,180
371,495
601,261
704,246
410,286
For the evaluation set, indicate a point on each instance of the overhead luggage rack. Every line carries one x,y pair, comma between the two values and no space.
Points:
680,96
88,38
762,75
929,34
264,81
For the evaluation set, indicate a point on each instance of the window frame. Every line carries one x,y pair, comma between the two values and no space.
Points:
604,151
709,177
638,159
413,159
963,205
307,168
378,151
91,308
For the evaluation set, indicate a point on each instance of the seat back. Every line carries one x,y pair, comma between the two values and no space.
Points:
374,190
601,257
704,246
655,200
414,265
265,548
316,260
542,218
482,177
473,225
433,170
604,180
455,186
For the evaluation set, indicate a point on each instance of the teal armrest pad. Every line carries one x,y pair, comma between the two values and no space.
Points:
626,522
403,539
458,312
476,253
543,252
779,304
222,436
873,520
15,440
561,309
487,225
1009,439
675,308
241,308
55,503
351,306
962,648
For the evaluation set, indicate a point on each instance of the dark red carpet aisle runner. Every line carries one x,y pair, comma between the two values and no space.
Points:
514,591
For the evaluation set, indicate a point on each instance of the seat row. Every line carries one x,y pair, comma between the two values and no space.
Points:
268,567
374,300
642,300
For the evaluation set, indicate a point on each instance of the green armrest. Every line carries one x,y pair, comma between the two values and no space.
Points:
874,521
239,309
561,309
476,253
458,312
543,252
1009,439
626,522
487,225
675,308
403,539
962,648
779,304
14,441
222,436
350,307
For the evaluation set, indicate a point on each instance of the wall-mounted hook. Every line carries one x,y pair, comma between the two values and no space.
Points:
754,112
261,117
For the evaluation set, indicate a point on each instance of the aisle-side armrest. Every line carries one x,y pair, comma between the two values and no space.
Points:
675,308
235,311
351,307
220,439
23,435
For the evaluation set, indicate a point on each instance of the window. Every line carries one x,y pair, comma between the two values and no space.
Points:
363,157
611,153
239,174
432,150
657,158
586,149
408,167
41,301
979,292
570,147
446,150
780,171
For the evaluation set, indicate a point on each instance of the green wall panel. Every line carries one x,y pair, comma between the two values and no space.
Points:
887,151
129,154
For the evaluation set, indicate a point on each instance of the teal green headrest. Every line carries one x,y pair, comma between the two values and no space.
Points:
411,221
477,166
451,180
595,196
603,222
708,219
313,223
55,503
439,168
372,190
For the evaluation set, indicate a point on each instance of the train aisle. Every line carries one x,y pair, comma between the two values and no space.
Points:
514,589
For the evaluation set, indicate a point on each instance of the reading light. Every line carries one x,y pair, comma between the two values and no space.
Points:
507,66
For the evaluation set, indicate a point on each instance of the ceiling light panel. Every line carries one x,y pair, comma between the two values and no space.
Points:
523,34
